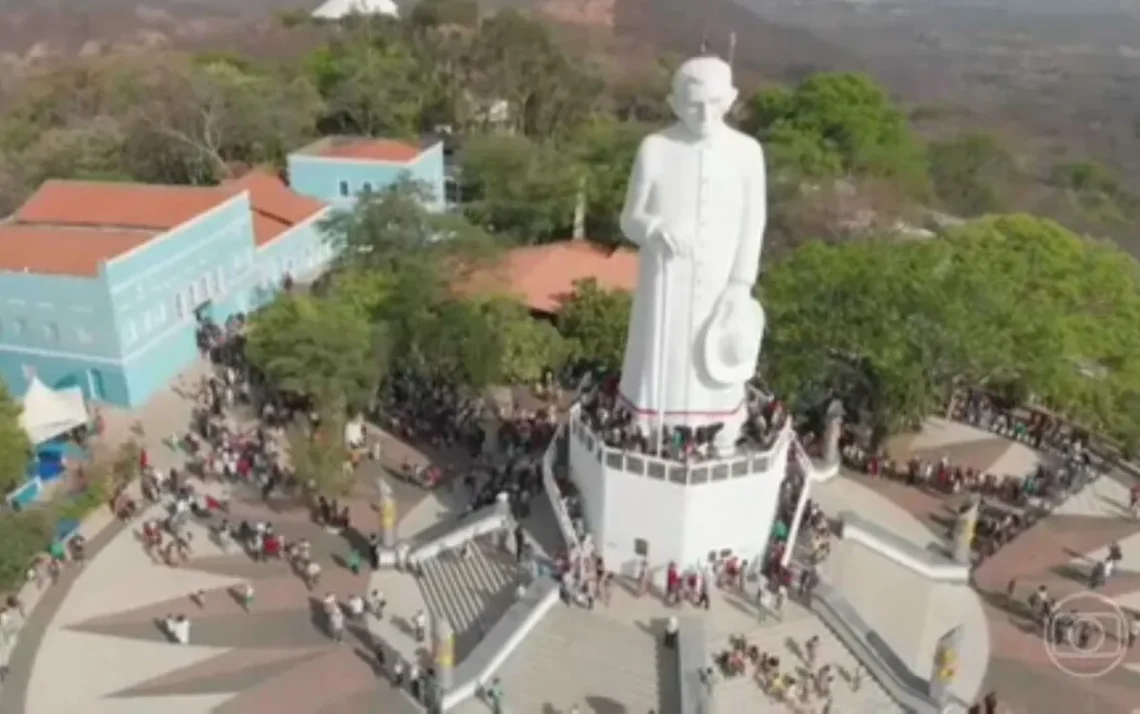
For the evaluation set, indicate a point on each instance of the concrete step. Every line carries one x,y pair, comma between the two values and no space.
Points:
464,589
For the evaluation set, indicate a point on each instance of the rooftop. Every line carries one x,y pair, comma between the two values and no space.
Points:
76,252
360,148
276,207
118,205
543,276
71,227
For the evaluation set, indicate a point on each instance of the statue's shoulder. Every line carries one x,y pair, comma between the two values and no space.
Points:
745,143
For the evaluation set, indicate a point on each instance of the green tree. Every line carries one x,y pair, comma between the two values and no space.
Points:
519,62
837,121
322,348
388,230
605,149
320,457
971,174
370,82
515,186
14,446
25,535
188,122
895,325
479,343
595,322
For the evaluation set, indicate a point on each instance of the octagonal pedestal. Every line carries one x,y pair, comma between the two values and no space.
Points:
637,505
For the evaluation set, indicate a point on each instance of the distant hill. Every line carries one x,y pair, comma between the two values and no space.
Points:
767,48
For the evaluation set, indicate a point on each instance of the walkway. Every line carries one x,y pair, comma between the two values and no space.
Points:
93,643
1058,553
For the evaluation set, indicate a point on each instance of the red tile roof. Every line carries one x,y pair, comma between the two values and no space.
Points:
118,205
276,207
75,252
397,152
543,276
70,227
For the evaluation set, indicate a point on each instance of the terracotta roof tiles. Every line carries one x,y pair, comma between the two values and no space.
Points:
118,205
74,252
389,150
276,207
543,276
70,227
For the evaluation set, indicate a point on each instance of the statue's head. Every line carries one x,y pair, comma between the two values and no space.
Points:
703,94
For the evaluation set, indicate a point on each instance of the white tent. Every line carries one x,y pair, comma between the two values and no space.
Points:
48,413
338,9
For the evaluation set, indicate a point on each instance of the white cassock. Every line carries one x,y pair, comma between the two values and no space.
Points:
714,191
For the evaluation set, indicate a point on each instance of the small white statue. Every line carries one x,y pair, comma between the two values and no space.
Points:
696,206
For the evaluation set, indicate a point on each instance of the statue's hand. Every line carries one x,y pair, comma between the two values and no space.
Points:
674,242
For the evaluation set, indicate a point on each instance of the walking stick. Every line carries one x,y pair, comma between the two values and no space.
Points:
659,349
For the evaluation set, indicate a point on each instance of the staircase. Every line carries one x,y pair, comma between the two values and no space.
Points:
471,592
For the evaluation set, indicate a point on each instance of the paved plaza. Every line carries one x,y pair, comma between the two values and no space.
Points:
1057,552
93,644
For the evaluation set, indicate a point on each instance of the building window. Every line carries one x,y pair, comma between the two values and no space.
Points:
221,281
130,334
147,321
21,326
192,295
160,315
207,284
51,332
84,336
367,187
344,189
179,306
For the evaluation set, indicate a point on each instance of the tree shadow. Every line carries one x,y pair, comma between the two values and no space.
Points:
605,705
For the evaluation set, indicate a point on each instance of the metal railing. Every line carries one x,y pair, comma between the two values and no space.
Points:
680,473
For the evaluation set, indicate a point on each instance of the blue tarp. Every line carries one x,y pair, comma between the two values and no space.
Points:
66,528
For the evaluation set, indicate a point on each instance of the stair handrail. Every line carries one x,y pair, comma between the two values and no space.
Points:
554,493
486,520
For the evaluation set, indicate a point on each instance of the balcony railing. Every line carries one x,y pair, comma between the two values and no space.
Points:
680,473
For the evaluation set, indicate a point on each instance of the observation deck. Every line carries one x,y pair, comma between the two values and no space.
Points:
642,506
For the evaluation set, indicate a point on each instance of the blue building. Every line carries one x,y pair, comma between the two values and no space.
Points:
336,169
104,285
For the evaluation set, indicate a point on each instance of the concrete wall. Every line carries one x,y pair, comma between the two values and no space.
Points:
301,252
125,333
203,265
629,498
59,328
338,181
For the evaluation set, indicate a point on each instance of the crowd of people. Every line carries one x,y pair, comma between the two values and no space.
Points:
1011,503
604,411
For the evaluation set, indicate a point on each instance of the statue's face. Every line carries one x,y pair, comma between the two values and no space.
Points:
702,106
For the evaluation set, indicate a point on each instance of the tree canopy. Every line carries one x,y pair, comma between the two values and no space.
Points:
323,348
832,124
595,321
895,325
14,447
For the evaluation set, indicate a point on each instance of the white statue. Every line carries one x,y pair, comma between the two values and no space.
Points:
696,206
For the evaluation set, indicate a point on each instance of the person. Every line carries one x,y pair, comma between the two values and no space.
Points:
671,629
696,207
376,603
178,627
354,561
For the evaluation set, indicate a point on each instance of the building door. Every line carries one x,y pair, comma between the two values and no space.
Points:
96,384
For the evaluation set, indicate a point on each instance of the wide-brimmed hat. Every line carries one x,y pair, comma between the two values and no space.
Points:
732,341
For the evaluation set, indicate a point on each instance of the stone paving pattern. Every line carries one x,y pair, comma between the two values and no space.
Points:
96,629
1057,552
